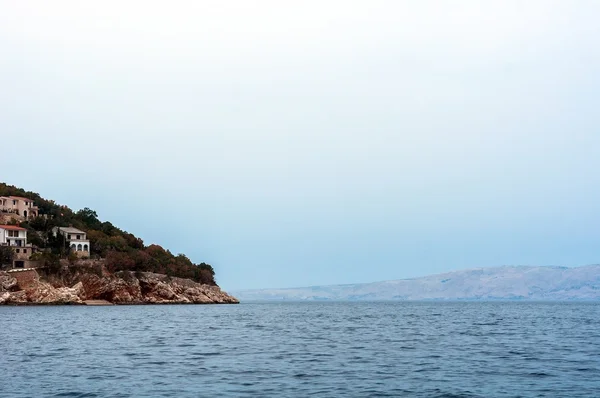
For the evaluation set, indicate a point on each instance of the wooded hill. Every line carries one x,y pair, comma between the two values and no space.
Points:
120,249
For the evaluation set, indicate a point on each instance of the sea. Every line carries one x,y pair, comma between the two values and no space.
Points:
303,349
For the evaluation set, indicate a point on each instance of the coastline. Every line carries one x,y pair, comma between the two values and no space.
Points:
74,287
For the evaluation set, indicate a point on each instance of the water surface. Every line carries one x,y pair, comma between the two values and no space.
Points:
401,349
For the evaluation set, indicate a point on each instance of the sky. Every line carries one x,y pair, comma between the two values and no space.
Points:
315,142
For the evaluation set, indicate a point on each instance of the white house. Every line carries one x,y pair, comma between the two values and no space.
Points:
12,235
16,238
77,240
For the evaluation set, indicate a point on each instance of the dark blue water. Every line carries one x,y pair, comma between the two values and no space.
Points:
302,349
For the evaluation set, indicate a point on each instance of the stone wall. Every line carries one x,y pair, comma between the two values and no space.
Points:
6,218
24,252
27,263
25,278
82,254
34,263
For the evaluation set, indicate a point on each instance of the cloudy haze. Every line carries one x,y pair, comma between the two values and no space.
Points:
293,144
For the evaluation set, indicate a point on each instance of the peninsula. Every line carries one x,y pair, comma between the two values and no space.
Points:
50,254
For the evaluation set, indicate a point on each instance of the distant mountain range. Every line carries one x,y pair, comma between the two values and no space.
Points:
493,283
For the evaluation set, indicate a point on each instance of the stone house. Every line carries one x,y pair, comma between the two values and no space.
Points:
76,238
24,208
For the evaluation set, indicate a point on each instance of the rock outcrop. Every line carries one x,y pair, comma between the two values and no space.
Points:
7,282
44,293
125,287
128,287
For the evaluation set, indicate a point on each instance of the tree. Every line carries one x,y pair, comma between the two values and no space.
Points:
57,244
35,238
207,267
38,223
7,255
89,217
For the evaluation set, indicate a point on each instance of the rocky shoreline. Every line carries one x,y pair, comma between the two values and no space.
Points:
35,287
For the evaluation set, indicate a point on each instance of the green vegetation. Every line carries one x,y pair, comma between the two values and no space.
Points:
6,255
120,249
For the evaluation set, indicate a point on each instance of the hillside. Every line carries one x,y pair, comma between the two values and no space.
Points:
494,283
74,256
120,249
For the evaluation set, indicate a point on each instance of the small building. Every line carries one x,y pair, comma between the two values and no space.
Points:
23,208
15,237
76,238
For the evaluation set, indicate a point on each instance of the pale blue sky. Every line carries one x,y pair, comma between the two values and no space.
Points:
315,143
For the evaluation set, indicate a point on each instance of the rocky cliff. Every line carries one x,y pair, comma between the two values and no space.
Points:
126,287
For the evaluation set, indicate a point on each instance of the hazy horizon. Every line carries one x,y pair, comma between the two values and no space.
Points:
450,271
316,143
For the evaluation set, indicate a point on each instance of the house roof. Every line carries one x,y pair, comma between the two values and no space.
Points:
71,230
17,197
12,228
21,198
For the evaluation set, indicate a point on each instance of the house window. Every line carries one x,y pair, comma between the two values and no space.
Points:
78,237
73,247
85,248
79,247
14,202
24,251
69,236
18,250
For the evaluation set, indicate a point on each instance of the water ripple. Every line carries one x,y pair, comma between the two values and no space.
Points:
451,350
